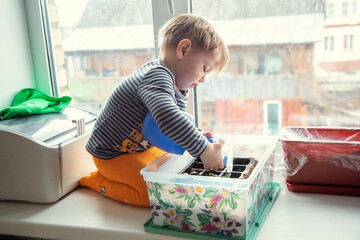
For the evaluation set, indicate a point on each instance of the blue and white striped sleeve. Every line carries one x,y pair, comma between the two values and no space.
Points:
157,91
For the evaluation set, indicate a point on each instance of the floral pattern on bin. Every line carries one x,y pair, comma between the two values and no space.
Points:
218,223
154,189
259,191
206,209
209,210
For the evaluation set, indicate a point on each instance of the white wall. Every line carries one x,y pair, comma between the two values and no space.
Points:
16,68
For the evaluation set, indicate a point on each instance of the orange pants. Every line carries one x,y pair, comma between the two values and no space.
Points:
119,178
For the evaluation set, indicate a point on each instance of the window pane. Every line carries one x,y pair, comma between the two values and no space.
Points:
285,68
345,8
354,7
329,10
97,44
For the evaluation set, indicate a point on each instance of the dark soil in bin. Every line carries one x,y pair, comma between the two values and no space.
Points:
198,165
239,168
242,168
235,175
242,161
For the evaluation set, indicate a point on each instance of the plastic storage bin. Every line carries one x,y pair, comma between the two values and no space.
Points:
209,205
322,160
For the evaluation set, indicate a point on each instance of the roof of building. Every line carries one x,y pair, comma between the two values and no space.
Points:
272,30
294,29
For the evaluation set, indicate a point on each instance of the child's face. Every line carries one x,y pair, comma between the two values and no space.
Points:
193,68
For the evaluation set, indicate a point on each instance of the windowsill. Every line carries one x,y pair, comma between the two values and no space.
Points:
84,214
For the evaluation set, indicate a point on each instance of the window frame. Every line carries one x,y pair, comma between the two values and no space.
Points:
36,21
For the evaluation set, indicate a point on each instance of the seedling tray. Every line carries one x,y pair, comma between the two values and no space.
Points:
240,168
259,221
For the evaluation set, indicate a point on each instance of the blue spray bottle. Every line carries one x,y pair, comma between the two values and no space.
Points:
153,134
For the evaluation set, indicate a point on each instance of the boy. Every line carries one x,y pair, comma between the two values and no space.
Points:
190,48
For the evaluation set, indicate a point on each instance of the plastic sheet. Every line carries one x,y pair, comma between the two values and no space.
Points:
319,160
338,147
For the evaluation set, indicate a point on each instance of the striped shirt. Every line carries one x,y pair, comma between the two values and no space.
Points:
151,88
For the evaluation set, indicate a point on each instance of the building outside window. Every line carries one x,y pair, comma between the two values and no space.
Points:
102,42
273,62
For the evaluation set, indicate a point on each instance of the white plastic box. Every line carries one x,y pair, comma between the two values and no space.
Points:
210,205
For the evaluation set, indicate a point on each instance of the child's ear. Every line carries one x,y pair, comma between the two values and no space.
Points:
183,48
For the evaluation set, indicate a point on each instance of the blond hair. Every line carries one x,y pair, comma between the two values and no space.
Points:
198,30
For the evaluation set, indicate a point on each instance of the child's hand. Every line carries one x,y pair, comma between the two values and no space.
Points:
212,157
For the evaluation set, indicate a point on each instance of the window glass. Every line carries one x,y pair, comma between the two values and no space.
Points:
345,8
279,73
330,10
329,43
348,42
98,43
354,7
